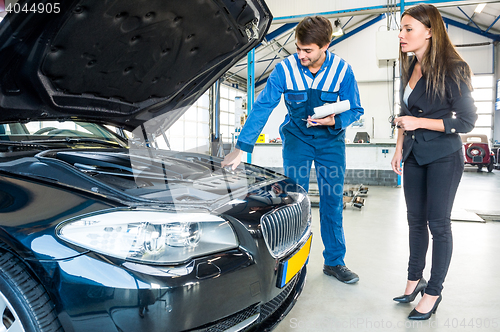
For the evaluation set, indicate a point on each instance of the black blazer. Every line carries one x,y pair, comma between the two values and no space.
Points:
457,110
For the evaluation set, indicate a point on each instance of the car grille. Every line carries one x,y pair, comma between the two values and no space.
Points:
285,227
265,310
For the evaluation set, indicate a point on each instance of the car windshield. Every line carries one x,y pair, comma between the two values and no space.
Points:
60,131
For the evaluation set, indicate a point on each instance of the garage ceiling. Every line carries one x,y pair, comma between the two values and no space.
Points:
280,41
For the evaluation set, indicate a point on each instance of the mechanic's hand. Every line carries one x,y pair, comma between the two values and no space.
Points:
396,162
233,159
326,121
407,122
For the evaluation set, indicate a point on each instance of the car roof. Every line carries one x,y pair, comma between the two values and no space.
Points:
474,138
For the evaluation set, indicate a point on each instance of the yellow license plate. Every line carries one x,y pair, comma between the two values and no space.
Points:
289,268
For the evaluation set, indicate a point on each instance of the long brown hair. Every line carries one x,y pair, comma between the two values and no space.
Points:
440,59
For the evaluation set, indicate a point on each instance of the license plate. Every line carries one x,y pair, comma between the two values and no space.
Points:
289,268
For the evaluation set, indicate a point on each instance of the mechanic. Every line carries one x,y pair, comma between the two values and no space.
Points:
311,78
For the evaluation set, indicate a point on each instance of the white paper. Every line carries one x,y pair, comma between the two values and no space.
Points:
328,109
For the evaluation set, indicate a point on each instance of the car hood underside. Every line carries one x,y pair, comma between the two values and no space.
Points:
121,62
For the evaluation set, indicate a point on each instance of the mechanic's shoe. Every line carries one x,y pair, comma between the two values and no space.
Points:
342,273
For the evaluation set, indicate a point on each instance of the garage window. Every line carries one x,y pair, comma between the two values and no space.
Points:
192,133
483,97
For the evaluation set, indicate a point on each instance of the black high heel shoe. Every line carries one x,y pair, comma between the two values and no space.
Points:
415,315
410,297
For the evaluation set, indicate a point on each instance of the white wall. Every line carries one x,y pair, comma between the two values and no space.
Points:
375,82
358,156
275,120
479,58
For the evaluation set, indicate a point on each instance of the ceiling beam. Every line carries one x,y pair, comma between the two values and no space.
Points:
281,30
381,10
469,18
376,9
358,29
334,14
338,40
471,29
492,24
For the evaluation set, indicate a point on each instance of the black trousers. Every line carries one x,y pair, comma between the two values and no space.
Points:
429,192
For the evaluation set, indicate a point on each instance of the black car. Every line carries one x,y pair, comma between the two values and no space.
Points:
101,230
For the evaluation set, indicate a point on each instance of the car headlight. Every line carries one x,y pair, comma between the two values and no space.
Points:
155,237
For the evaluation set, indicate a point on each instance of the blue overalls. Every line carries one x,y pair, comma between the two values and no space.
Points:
301,145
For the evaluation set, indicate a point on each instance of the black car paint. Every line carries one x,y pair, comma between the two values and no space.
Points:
110,286
121,62
108,63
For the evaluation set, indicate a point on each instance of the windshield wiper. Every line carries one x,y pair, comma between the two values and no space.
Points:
94,140
24,145
70,140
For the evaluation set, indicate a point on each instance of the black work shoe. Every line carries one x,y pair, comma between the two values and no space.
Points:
342,273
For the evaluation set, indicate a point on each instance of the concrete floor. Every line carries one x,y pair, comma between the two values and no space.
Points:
377,249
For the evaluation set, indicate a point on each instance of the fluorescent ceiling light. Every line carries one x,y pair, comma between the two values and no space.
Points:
337,30
480,8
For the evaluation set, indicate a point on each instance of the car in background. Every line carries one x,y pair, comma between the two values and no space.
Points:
100,228
477,151
496,153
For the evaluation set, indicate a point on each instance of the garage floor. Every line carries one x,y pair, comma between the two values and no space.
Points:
377,249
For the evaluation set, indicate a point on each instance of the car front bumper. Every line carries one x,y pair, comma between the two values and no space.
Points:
231,291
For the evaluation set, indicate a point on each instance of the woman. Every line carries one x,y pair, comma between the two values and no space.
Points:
436,106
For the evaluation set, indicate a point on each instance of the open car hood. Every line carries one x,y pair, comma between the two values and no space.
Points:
120,62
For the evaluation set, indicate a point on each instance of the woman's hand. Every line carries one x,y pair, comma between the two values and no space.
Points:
413,123
326,121
396,162
407,122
